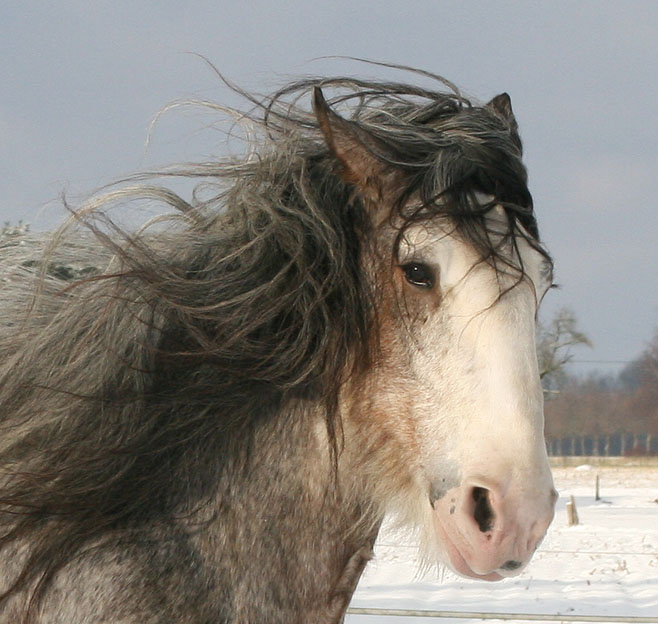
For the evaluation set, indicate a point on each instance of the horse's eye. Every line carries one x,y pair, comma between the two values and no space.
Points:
418,274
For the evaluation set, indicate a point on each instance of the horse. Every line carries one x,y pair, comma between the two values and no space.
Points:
207,419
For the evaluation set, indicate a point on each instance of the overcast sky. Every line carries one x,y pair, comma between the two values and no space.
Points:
80,82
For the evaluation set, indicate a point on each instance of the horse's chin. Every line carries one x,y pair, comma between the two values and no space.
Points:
453,558
458,564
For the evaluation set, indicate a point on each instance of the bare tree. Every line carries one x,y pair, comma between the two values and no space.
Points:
555,342
651,359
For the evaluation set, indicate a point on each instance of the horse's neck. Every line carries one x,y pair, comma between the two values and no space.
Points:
285,543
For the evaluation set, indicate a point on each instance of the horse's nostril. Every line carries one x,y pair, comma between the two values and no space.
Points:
483,513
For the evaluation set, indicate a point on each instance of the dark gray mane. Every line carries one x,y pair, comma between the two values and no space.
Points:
126,389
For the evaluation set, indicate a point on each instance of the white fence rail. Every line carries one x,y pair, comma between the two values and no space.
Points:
516,617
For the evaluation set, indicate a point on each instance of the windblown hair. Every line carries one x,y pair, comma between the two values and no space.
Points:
137,371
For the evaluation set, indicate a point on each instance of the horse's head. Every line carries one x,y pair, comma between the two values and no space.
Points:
450,423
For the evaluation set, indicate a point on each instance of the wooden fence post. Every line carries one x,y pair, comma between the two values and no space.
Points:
572,512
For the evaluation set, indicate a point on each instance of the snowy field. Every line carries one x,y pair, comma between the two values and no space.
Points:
608,565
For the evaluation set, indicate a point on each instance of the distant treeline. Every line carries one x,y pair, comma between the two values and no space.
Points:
613,445
606,415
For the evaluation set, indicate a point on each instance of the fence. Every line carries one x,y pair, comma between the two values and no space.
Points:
516,617
508,616
615,445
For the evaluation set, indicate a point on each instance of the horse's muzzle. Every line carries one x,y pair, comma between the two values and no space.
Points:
490,533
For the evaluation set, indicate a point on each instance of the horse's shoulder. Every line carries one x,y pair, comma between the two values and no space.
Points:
145,579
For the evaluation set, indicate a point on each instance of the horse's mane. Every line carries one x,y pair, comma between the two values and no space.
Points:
142,367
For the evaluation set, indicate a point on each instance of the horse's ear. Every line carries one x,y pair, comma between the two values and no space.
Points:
354,149
502,104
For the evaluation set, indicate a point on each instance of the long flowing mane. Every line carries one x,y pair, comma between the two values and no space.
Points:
135,365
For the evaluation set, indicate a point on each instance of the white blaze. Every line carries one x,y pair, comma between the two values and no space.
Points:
479,401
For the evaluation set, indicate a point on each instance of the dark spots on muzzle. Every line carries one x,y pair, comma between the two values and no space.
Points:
437,492
511,565
440,487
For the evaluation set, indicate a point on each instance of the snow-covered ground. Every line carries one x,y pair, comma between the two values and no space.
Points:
608,565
